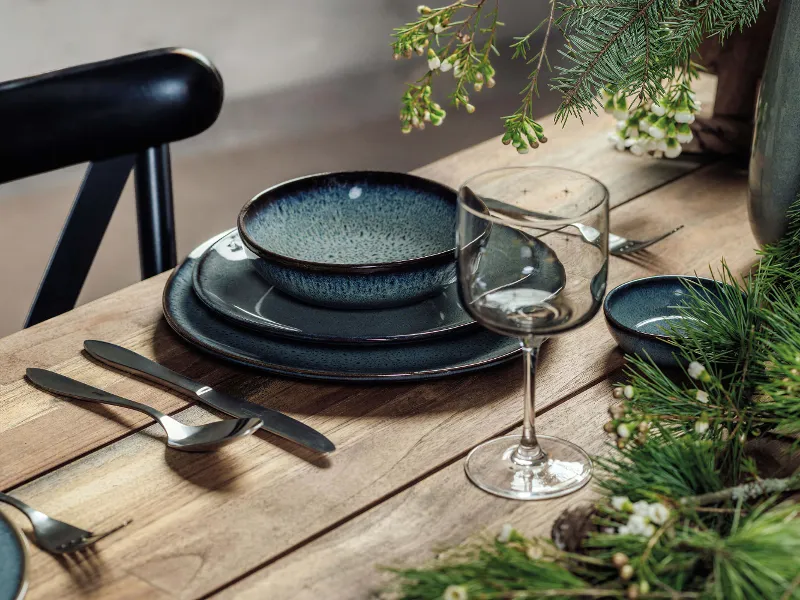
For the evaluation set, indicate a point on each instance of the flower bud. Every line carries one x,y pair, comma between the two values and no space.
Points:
478,86
423,10
490,82
433,60
617,392
609,427
469,107
626,572
619,560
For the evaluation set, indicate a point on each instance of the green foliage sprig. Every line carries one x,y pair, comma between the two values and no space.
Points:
689,508
629,46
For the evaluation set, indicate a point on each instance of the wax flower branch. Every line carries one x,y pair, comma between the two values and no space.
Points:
630,56
700,488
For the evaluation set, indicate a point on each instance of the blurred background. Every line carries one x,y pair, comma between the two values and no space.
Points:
310,86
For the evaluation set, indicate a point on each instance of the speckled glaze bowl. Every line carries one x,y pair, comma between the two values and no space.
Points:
361,239
638,312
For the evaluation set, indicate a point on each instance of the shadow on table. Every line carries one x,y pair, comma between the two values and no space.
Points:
336,399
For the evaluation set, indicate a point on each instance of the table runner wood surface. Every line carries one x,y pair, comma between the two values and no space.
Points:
265,519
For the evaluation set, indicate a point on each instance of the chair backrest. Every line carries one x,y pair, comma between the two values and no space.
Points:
117,115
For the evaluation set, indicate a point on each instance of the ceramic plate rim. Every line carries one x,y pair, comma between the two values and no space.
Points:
22,587
302,373
263,328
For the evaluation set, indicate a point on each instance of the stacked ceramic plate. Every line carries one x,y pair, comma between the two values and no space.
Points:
343,276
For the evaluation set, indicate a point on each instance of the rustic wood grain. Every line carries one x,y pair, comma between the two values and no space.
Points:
410,527
202,521
132,317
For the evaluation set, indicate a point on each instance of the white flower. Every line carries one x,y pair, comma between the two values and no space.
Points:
438,28
644,125
656,131
696,370
430,25
433,60
628,391
455,592
445,66
534,552
623,432
702,396
641,508
700,427
422,9
650,145
609,530
637,149
620,503
505,533
658,513
624,530
661,145
470,109
683,116
622,124
637,524
673,149
684,138
649,530
620,113
657,109
618,142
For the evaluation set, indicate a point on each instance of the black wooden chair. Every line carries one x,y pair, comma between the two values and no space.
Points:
117,115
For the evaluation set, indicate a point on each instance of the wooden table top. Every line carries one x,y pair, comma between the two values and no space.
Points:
262,519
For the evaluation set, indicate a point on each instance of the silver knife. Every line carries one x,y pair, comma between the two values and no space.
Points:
274,421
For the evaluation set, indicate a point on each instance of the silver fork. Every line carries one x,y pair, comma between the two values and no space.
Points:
57,537
618,245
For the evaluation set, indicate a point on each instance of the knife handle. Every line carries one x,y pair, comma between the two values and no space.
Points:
136,364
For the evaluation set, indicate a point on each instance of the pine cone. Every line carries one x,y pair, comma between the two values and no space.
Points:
572,527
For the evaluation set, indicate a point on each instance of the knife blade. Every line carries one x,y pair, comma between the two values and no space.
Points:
274,421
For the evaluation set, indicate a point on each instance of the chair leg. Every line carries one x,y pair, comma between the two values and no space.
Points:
81,236
155,212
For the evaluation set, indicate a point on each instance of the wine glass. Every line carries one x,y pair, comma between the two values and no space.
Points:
525,269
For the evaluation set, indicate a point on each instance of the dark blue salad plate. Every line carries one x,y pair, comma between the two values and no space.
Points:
226,281
438,357
13,562
644,315
356,239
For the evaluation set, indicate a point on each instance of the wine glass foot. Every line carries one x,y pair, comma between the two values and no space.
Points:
566,470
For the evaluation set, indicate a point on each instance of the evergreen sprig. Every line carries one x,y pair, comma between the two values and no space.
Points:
688,511
629,46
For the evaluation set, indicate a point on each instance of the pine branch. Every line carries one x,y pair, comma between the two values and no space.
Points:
748,491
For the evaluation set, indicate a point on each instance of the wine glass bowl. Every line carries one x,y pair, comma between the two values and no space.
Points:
525,270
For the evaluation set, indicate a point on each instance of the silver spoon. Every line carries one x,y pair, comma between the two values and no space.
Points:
179,436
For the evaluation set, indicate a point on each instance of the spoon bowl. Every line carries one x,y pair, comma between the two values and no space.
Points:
201,438
189,438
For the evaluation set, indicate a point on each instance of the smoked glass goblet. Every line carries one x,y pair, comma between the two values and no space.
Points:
532,246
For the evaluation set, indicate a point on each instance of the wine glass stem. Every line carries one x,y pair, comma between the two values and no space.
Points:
528,453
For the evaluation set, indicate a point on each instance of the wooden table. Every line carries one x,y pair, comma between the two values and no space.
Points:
262,519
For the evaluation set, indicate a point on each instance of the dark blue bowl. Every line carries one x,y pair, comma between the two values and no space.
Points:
638,313
361,239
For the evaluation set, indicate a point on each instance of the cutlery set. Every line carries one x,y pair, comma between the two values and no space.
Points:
58,537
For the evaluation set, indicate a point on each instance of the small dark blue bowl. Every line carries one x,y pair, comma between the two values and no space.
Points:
638,313
361,239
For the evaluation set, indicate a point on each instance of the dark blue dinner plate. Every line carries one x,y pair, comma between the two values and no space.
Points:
13,562
438,357
225,280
